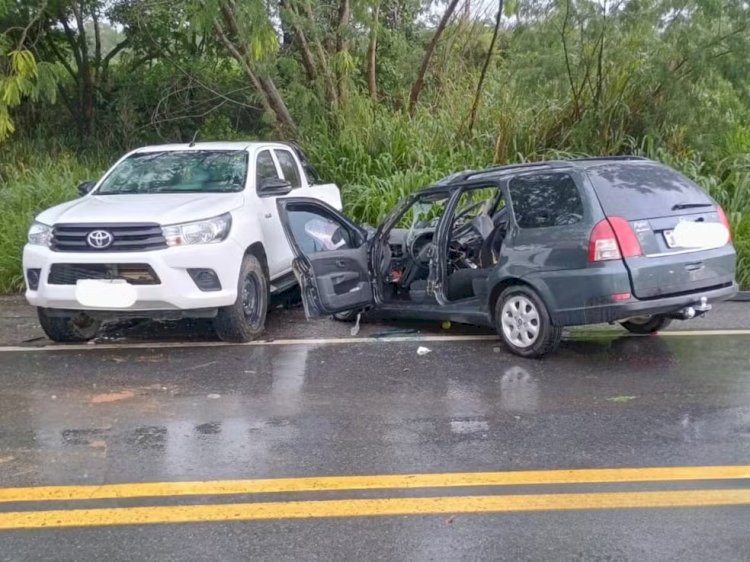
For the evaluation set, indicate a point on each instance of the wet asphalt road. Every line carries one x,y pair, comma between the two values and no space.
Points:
96,416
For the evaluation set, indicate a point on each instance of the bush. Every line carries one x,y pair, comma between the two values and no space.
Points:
33,179
377,157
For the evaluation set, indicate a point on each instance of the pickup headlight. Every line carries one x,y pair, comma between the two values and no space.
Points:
40,234
207,231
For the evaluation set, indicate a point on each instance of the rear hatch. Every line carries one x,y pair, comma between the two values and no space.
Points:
682,233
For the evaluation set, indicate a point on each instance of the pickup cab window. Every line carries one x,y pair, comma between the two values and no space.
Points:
265,167
289,167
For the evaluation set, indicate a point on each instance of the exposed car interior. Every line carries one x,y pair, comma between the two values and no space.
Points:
478,228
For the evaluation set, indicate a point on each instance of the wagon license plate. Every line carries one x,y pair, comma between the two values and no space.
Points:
669,238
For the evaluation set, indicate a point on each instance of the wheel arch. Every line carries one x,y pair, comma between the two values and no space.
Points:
506,282
259,251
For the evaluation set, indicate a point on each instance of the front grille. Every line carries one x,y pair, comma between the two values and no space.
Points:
133,273
131,237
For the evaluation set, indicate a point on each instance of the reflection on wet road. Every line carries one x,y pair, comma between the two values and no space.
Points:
223,415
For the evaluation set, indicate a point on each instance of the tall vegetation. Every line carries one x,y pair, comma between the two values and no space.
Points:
385,95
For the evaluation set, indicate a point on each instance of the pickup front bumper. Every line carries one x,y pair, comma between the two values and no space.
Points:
175,289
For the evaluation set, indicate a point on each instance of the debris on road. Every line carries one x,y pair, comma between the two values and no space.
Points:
621,398
355,329
395,332
112,397
423,350
150,359
201,366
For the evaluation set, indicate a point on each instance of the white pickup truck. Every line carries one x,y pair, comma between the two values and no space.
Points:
169,232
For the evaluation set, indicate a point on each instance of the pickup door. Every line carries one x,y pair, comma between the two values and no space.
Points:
331,260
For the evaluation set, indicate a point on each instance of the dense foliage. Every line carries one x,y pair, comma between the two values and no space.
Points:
385,95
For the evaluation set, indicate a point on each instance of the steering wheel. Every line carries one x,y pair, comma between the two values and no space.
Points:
421,247
463,228
466,210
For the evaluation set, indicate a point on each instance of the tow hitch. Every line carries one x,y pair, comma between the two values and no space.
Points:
689,312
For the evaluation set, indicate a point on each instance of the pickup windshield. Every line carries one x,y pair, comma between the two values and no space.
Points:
189,171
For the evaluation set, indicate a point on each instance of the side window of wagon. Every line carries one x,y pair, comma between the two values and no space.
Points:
545,200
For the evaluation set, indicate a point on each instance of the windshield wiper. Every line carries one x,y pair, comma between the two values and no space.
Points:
679,206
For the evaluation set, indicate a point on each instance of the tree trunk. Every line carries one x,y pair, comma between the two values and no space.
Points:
287,34
372,84
343,23
86,86
477,96
563,36
278,105
416,88
270,98
342,45
308,59
331,90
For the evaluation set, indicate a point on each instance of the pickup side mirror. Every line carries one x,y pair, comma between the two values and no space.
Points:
85,187
273,187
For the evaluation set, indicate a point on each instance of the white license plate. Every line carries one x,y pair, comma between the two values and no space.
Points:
697,235
669,237
105,293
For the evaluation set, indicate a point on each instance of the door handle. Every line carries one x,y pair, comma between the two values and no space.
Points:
340,264
339,278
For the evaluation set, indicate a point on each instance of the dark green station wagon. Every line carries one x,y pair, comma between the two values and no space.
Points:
526,249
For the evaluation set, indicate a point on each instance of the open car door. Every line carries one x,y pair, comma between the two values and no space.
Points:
331,260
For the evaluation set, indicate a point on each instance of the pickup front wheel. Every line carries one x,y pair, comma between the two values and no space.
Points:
246,318
78,327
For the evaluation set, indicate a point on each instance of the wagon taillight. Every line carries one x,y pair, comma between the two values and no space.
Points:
613,239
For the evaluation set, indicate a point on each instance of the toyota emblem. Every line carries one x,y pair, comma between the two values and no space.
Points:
99,239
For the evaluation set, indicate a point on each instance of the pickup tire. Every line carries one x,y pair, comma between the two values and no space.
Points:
67,329
647,324
524,324
246,318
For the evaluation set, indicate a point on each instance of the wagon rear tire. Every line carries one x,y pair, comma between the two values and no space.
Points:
647,324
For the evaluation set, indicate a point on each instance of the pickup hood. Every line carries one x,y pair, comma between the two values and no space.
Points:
161,208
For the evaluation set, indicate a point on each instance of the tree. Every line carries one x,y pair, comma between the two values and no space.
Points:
416,88
490,50
72,37
22,76
372,83
247,33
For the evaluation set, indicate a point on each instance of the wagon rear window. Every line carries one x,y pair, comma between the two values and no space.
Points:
647,191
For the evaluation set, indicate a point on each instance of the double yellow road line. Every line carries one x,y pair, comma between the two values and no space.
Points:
358,507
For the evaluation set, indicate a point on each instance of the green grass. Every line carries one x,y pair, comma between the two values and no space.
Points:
385,157
31,181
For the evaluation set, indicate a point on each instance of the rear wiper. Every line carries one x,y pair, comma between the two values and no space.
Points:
690,206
